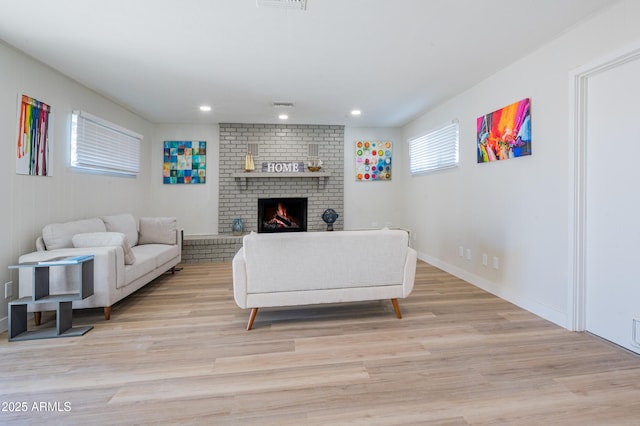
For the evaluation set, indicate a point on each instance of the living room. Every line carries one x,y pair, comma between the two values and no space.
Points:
519,212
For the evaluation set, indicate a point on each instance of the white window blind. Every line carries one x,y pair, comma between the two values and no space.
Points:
435,150
101,146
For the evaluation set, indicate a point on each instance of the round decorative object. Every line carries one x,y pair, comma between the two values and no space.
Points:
329,217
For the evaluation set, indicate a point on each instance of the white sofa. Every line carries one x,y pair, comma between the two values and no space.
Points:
305,268
126,257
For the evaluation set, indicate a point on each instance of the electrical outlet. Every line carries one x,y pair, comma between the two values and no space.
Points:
485,259
8,290
496,262
468,254
460,251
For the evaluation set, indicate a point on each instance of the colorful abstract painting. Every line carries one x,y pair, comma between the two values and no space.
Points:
373,160
185,162
505,133
33,146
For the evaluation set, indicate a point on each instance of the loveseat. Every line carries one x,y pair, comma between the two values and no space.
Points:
126,256
302,268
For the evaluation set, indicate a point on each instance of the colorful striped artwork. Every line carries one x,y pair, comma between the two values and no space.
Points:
33,146
185,162
505,133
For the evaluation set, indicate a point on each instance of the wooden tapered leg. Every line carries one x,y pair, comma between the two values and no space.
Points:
107,313
396,308
37,318
252,317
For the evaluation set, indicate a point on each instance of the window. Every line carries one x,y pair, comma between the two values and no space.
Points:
101,146
435,150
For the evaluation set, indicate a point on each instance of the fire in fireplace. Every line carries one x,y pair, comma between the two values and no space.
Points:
282,214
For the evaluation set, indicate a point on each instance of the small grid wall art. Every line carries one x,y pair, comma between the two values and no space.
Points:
373,160
185,162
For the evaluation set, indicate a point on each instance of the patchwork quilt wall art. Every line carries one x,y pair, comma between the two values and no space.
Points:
184,162
373,160
505,133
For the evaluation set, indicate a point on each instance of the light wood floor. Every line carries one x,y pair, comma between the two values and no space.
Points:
177,352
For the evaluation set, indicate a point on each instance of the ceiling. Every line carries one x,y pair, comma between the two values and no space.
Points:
392,59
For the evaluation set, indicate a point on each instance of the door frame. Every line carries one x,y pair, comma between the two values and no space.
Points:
578,151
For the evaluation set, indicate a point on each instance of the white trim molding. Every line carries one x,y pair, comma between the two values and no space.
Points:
578,148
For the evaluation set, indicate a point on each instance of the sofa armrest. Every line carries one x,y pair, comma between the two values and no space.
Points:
108,270
409,271
240,279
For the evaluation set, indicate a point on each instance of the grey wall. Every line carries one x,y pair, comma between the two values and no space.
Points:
279,143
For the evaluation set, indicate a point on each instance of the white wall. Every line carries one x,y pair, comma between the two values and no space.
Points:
30,202
195,206
372,204
517,210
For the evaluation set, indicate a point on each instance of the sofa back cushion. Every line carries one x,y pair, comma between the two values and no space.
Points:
59,235
324,260
124,223
158,230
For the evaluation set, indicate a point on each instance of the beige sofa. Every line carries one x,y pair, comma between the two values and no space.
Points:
126,256
305,268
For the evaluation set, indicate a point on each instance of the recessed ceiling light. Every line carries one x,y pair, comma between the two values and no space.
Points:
356,112
205,108
283,116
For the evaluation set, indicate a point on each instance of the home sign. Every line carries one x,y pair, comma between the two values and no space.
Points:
283,167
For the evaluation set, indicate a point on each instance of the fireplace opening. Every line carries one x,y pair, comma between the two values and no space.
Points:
282,214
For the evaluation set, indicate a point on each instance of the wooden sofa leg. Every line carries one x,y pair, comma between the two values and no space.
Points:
396,308
37,318
107,313
252,317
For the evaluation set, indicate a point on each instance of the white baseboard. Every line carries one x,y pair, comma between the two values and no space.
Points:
4,324
543,311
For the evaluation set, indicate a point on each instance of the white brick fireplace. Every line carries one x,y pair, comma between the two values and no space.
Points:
239,191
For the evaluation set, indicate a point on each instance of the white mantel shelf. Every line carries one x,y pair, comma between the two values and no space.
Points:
244,177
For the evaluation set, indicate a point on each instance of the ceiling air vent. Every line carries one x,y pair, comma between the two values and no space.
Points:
282,104
283,4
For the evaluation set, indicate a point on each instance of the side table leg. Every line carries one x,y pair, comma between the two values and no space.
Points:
17,320
63,317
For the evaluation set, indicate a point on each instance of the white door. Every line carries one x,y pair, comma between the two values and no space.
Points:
613,205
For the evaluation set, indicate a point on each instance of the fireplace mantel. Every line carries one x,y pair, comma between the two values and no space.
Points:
244,177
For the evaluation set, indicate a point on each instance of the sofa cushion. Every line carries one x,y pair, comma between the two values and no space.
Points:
105,239
162,253
59,235
146,262
158,230
124,223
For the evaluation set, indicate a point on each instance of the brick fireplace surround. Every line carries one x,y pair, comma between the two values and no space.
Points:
275,142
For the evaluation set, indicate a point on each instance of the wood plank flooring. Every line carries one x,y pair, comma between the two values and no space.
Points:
177,352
